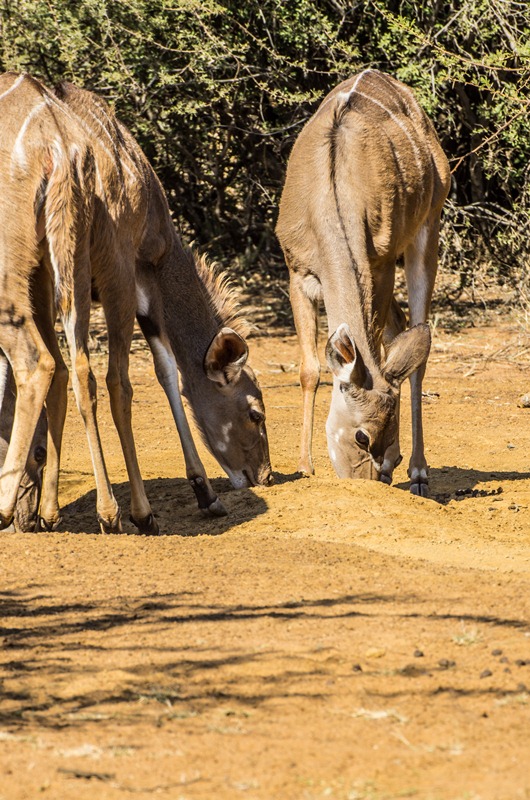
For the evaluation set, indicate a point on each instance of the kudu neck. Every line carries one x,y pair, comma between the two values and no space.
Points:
347,304
190,323
191,318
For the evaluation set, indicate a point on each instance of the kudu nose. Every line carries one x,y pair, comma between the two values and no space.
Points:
265,477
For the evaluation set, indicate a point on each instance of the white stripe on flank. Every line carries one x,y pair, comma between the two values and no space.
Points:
51,100
92,135
12,88
18,156
341,96
398,123
56,158
118,156
345,96
3,378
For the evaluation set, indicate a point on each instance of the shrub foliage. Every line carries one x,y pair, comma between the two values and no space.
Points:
217,90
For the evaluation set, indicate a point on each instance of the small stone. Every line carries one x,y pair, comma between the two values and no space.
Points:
418,654
446,663
375,652
504,660
521,662
521,687
357,668
496,652
524,401
486,673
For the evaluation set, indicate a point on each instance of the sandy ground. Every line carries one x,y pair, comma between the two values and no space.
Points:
327,639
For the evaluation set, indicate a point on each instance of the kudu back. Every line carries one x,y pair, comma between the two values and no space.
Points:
365,185
83,210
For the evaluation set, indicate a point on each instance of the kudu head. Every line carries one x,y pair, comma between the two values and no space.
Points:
230,411
363,418
26,515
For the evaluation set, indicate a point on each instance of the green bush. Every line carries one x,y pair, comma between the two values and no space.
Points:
216,91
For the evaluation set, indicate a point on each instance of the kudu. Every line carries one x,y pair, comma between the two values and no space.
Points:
365,185
83,209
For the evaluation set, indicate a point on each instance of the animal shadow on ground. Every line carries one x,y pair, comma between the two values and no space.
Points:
450,483
174,507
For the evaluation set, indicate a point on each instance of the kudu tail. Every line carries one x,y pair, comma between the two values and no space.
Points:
66,198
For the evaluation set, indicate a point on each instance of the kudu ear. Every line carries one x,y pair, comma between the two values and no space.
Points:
225,357
343,357
407,352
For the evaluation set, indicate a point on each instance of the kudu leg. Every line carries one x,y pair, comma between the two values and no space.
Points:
396,323
120,322
420,270
56,404
305,313
167,374
85,390
33,368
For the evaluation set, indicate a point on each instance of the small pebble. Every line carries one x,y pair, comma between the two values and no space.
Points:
521,687
418,653
375,652
486,673
445,663
524,401
504,660
521,662
357,668
496,652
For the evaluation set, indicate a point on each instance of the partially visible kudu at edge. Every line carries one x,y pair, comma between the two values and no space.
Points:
365,185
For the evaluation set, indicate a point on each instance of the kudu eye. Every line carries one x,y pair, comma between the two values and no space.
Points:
343,387
256,416
362,439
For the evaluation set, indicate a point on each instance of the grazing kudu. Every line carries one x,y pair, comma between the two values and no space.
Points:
365,185
95,219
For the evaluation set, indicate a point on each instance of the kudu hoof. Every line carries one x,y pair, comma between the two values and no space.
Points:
215,509
420,489
384,477
148,526
209,504
5,522
45,526
305,471
110,525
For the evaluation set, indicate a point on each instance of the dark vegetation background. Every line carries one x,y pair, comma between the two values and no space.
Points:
216,91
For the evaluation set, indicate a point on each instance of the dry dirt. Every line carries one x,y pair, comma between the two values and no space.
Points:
328,639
